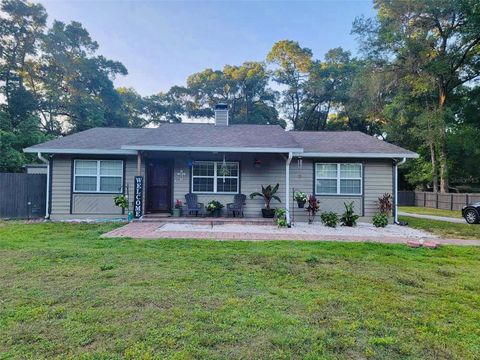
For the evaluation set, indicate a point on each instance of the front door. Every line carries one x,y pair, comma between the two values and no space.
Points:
159,186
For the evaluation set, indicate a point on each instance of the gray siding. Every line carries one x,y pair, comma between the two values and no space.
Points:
377,181
98,204
61,178
302,179
66,205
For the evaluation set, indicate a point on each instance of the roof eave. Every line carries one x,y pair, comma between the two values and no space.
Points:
358,155
79,151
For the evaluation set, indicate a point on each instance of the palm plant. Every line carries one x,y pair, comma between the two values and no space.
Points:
268,193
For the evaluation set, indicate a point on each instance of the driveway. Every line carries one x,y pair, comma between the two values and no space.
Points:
316,232
433,217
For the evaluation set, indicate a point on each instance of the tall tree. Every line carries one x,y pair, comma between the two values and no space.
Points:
293,64
72,85
434,47
244,88
327,89
21,29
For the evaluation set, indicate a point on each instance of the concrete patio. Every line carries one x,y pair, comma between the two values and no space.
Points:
247,232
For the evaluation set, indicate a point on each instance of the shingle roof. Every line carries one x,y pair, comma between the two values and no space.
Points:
207,136
95,138
344,142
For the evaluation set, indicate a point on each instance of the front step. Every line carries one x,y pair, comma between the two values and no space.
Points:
204,220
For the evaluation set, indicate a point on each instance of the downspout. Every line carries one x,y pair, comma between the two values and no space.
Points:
287,185
47,202
396,188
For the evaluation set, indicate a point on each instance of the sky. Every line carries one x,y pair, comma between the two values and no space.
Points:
163,42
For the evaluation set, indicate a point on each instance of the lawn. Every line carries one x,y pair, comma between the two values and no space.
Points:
444,229
430,211
66,293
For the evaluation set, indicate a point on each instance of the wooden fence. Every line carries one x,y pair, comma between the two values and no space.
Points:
22,196
452,201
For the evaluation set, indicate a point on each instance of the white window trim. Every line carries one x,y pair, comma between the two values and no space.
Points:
98,176
338,178
215,177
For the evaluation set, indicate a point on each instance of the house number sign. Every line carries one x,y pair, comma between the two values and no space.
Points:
138,199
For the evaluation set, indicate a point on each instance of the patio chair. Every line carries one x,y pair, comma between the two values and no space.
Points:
237,206
193,205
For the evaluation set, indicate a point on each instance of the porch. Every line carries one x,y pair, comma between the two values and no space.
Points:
211,176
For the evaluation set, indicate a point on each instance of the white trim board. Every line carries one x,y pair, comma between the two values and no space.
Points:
356,155
79,151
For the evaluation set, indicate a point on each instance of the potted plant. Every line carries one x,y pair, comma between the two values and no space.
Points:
177,210
122,202
214,207
301,198
312,208
268,193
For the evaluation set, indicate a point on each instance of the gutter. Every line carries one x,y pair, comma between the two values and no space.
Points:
47,202
287,186
395,220
360,155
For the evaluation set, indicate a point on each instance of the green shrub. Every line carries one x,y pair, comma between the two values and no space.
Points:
282,223
121,201
380,220
349,218
329,219
280,217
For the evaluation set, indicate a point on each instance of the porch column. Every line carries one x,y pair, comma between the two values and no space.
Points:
139,163
287,187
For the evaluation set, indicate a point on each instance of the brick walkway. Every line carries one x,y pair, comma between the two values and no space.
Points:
152,230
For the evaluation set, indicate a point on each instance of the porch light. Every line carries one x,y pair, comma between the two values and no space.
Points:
257,164
300,163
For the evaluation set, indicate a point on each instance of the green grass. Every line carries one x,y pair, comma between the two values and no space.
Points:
431,211
445,229
66,293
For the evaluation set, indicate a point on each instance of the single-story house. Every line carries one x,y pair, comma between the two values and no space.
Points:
88,169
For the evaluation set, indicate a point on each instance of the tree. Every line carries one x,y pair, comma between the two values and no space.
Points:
327,89
21,26
433,47
74,87
293,64
244,88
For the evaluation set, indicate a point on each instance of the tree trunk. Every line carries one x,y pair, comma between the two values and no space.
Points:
433,159
444,185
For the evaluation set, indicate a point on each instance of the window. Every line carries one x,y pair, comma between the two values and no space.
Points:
338,179
215,177
98,176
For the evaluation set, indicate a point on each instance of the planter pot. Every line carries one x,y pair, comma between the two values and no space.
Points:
268,213
215,213
176,212
301,204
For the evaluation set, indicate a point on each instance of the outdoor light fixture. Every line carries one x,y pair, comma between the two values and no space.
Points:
300,163
257,163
